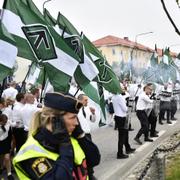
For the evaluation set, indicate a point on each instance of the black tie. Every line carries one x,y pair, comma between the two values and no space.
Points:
83,111
3,128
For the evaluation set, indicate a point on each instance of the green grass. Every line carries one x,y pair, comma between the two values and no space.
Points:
173,167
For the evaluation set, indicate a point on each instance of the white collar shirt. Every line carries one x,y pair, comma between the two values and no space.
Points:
10,92
4,135
119,105
27,113
87,119
17,118
143,101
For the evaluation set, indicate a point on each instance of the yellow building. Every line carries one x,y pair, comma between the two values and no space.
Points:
116,49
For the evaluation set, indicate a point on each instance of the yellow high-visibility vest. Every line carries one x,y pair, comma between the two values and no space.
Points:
32,149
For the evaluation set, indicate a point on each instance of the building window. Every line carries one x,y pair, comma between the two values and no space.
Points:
113,51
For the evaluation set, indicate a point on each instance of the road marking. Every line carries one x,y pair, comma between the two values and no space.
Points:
173,123
142,147
161,133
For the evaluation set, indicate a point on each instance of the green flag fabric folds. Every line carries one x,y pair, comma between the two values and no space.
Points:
45,45
8,52
105,76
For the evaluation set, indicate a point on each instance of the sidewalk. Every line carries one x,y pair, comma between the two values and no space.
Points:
106,139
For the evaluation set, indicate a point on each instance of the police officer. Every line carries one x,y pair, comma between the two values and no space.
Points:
56,147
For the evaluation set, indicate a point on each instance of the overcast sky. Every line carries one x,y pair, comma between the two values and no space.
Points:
99,18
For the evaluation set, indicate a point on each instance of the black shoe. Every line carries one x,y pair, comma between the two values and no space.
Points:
169,122
122,156
131,150
10,177
154,135
156,132
173,119
138,141
148,140
92,177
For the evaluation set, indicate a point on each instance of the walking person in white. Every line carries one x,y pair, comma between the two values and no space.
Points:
120,117
10,92
142,105
28,111
86,115
18,130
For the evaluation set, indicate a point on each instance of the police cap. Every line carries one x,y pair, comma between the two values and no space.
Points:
65,102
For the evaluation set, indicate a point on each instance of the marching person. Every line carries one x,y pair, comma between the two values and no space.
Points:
142,104
165,104
5,140
120,116
57,147
86,115
18,129
10,92
28,110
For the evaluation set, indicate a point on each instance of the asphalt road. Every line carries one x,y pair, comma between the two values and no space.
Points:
111,168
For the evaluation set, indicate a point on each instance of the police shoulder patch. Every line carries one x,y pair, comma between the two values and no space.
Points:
41,166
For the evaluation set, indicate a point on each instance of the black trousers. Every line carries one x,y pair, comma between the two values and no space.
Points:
20,137
142,116
164,108
152,122
123,134
173,108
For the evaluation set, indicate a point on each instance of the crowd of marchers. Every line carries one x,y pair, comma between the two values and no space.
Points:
46,140
50,138
151,103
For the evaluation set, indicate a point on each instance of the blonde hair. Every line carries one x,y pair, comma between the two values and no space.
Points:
42,118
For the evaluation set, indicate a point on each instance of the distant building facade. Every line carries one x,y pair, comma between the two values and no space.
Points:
118,51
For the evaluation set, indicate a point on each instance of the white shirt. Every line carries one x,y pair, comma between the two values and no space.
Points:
143,101
4,135
164,98
119,105
27,113
10,92
17,118
9,113
86,121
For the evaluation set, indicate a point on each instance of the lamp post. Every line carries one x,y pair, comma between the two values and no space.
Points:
141,34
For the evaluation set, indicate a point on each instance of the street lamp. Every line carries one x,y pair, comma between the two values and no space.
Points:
141,34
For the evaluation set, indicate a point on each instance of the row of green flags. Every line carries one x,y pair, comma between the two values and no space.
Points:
56,46
162,71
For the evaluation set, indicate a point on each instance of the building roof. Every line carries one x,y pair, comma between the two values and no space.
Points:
112,40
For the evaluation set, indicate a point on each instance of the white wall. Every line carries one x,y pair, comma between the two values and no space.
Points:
23,65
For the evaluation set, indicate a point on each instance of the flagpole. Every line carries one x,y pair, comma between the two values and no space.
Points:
45,3
43,85
76,92
24,81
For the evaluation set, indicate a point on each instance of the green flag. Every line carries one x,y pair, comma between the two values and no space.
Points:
106,76
87,70
47,46
168,67
8,52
